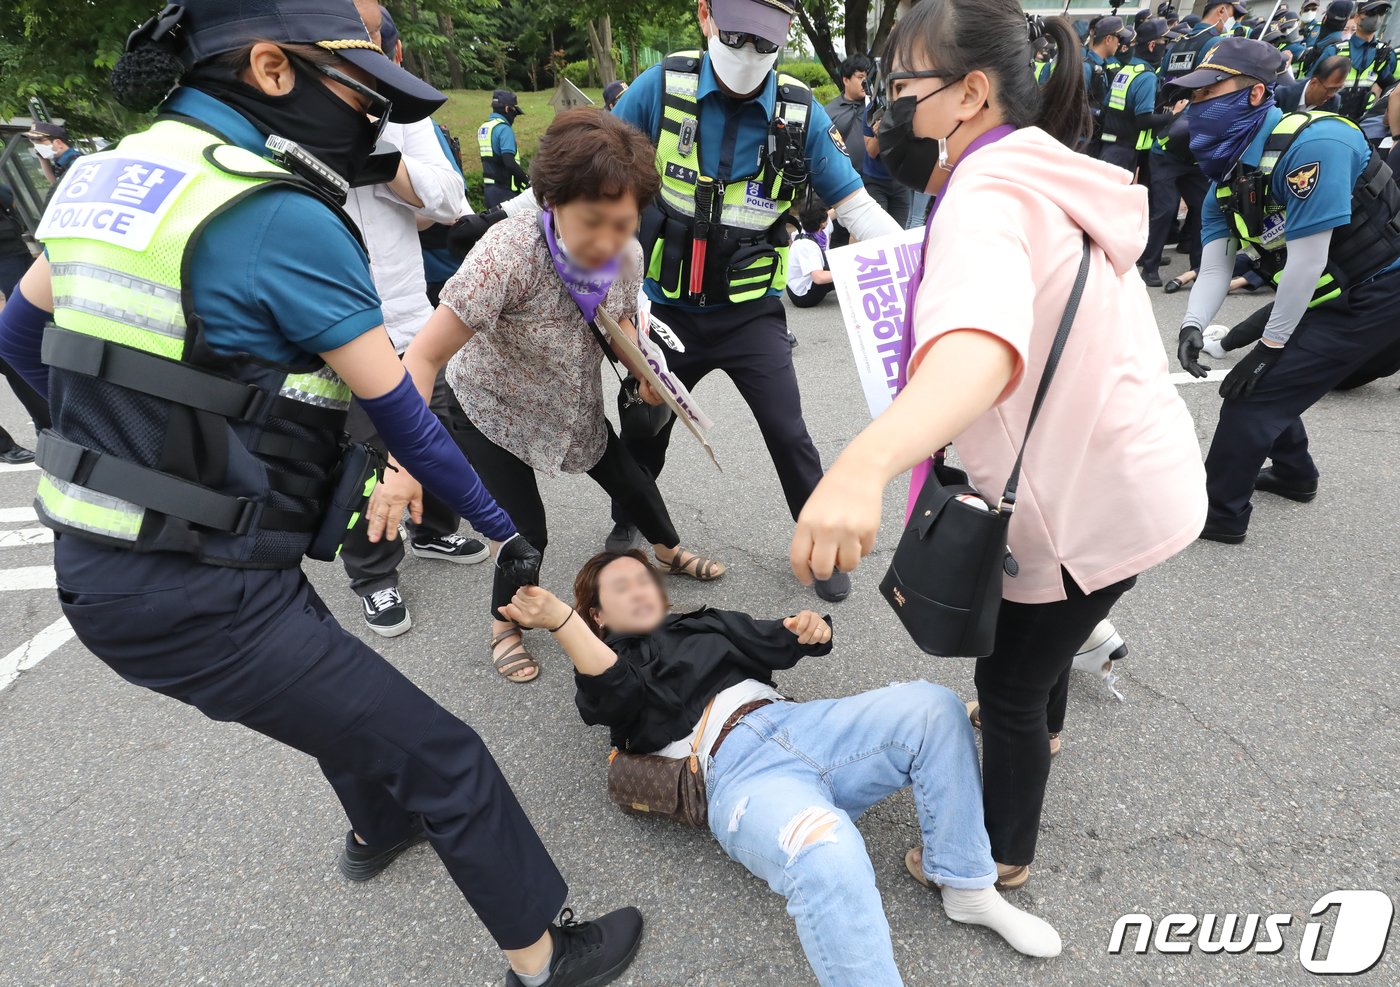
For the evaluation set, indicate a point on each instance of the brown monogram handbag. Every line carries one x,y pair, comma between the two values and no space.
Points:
671,787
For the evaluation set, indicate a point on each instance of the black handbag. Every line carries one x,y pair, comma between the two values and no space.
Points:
945,579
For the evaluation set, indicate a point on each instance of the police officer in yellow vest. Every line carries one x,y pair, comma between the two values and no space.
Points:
736,144
1321,209
1132,98
200,322
501,174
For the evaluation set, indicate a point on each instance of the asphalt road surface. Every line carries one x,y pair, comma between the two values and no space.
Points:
1251,768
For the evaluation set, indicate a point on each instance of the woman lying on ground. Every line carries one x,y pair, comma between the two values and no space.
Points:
514,332
787,779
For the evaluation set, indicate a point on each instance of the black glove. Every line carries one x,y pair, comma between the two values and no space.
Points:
469,229
1242,380
1188,350
519,561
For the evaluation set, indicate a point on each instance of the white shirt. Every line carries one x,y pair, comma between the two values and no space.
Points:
390,226
804,257
747,691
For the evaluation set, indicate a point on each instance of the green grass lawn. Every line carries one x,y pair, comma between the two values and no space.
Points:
466,109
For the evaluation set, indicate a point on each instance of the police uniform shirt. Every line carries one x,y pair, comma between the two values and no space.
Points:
1313,179
277,275
502,138
733,136
1091,58
1326,48
734,133
64,161
1141,97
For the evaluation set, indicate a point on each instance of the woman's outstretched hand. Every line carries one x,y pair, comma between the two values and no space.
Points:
535,606
398,490
838,525
810,627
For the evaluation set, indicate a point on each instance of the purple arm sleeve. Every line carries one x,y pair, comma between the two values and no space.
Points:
419,441
21,338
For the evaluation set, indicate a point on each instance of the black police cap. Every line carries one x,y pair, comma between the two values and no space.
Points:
198,30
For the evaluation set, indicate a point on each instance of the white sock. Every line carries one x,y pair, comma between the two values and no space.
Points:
984,906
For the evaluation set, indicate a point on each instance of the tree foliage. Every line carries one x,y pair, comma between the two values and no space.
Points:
825,20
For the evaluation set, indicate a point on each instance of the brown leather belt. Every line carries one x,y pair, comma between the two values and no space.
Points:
734,719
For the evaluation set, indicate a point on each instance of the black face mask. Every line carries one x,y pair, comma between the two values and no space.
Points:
1150,55
911,159
313,116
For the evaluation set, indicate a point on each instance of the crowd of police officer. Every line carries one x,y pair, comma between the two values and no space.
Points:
1274,133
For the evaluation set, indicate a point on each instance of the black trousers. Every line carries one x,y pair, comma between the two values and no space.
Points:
813,297
747,341
1172,182
1332,342
515,486
1121,154
259,647
35,405
373,566
1016,686
894,197
495,194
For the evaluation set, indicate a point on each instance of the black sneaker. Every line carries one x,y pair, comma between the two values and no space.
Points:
386,613
835,589
792,340
1151,278
590,954
451,548
17,456
621,538
360,863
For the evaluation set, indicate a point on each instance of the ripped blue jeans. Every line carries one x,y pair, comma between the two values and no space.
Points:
791,778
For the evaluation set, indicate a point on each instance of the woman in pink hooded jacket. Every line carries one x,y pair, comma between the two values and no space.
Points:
1112,482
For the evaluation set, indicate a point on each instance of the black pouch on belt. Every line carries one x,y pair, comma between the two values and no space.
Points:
355,479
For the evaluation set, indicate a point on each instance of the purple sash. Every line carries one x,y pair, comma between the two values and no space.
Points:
920,473
586,288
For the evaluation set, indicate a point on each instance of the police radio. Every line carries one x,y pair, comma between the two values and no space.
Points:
299,161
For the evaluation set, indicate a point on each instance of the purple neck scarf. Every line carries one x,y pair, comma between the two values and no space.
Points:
906,343
586,288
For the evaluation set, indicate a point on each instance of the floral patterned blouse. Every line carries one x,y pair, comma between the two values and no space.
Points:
529,378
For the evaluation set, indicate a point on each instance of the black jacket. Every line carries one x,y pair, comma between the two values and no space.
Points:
1289,97
658,688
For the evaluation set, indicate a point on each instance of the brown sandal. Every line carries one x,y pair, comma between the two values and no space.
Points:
697,567
1008,877
516,665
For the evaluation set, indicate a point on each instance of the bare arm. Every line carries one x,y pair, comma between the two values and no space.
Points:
961,376
535,606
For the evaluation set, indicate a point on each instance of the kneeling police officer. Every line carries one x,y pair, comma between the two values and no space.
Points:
1322,210
212,314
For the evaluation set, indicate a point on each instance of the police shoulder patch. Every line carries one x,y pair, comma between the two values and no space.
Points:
835,136
1303,179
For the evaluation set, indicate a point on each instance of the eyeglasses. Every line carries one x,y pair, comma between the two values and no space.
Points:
376,104
894,77
737,39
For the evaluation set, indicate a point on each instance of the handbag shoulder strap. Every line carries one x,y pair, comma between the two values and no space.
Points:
699,734
1008,497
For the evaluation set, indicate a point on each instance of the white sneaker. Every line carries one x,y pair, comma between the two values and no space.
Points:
1097,655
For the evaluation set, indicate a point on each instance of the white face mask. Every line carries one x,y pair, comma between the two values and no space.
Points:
44,151
1308,16
1228,26
743,71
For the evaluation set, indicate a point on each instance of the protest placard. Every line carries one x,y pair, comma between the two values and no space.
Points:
648,363
871,278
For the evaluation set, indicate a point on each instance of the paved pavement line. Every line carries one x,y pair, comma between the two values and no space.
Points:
1182,377
20,537
20,468
16,515
33,651
27,577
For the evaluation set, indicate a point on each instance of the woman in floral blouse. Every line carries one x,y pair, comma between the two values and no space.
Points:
513,331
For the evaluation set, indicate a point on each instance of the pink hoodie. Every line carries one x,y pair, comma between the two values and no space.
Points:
1112,482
